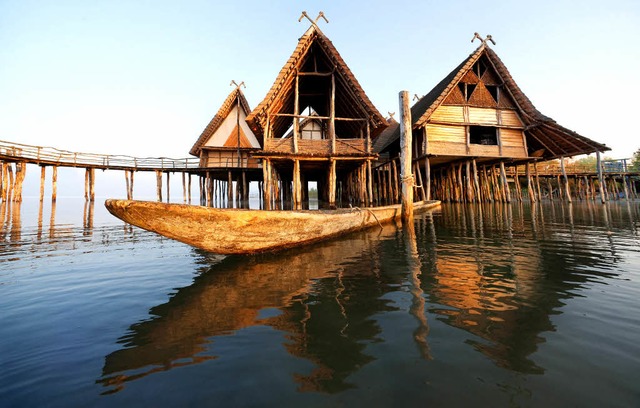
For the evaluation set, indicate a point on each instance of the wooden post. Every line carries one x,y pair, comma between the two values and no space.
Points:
10,183
468,181
92,185
332,113
614,187
266,184
184,188
189,186
427,177
332,183
43,171
460,187
86,184
505,184
603,196
229,189
549,188
126,180
498,186
476,181
535,170
207,191
566,180
420,182
296,112
390,191
21,172
159,185
516,183
168,187
369,183
405,156
532,196
297,188
626,190
395,185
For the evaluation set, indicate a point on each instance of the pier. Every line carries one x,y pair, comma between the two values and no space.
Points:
14,158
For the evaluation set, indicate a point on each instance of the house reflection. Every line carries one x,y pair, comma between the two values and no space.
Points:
500,273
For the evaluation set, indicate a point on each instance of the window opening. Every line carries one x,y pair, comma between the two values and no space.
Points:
483,135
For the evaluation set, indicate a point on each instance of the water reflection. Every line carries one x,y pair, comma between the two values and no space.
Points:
501,271
497,273
318,290
10,221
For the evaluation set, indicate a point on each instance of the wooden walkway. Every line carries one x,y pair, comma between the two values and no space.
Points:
48,156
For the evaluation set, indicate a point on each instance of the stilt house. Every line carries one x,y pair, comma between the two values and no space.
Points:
332,122
225,148
477,115
227,140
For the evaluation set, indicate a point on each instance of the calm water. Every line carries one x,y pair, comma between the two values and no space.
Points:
493,305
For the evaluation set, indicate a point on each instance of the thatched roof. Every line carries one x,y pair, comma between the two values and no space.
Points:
223,112
385,138
542,132
316,53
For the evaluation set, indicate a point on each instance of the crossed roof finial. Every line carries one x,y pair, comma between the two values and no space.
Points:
484,41
233,82
313,22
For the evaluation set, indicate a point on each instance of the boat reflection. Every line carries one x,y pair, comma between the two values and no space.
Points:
316,290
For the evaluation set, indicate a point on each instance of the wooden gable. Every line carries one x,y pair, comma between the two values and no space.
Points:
222,130
237,138
309,72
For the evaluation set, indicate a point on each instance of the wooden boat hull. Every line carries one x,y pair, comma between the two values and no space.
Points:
239,231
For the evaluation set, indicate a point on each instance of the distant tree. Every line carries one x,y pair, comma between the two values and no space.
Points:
635,161
587,163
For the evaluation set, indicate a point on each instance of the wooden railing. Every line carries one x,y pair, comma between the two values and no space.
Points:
552,168
52,156
316,147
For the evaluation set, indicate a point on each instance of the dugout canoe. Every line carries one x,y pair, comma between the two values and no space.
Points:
242,231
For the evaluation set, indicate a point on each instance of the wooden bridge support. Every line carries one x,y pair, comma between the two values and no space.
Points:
54,184
43,173
159,185
128,175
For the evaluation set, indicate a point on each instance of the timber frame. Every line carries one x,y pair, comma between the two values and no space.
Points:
316,85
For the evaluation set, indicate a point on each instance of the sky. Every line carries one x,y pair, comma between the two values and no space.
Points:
143,78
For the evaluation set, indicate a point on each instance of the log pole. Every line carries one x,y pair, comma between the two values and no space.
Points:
566,180
21,172
126,179
54,184
92,185
159,185
297,188
532,195
603,196
43,174
505,184
405,156
427,179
